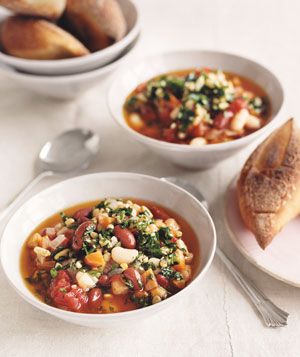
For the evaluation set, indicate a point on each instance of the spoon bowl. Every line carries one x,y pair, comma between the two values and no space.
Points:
70,151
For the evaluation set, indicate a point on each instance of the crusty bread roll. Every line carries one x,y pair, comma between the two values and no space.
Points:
269,184
50,9
34,38
97,23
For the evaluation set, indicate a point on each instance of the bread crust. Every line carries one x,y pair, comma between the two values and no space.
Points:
34,38
97,23
269,184
49,9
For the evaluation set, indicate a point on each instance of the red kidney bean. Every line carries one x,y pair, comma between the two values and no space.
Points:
77,238
162,281
135,277
159,213
104,280
81,214
95,298
125,237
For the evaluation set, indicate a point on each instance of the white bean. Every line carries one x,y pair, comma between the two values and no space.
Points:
85,281
198,142
239,120
136,121
122,255
181,245
154,261
253,122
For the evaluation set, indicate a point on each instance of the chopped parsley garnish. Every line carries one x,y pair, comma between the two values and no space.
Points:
185,118
166,237
128,283
149,244
171,274
53,273
64,217
141,301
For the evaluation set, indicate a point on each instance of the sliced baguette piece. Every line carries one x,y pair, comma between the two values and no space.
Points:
49,9
269,184
39,39
97,23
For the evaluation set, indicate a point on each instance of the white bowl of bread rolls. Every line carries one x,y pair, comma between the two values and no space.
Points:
64,37
66,87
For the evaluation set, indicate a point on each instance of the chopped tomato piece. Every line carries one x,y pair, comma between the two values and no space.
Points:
197,131
148,113
64,296
170,135
237,105
221,121
165,108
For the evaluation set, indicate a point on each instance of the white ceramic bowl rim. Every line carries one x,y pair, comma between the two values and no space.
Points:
66,62
55,311
189,148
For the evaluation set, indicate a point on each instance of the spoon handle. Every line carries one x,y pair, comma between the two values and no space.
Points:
12,206
272,315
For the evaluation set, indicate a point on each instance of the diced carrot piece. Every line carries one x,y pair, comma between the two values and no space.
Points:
105,221
186,276
181,261
95,259
149,280
186,273
141,294
180,284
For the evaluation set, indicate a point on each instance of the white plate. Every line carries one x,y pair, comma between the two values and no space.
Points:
280,259
84,63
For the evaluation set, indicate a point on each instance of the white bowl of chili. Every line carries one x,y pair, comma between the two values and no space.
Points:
252,100
96,187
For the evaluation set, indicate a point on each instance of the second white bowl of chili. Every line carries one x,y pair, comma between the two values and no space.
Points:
196,108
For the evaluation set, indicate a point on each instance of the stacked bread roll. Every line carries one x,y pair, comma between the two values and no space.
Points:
57,29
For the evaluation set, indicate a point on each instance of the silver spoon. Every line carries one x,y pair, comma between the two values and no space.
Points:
272,315
70,151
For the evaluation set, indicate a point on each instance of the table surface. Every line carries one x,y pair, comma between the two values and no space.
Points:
218,320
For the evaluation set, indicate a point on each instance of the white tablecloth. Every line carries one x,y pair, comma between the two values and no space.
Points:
217,320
